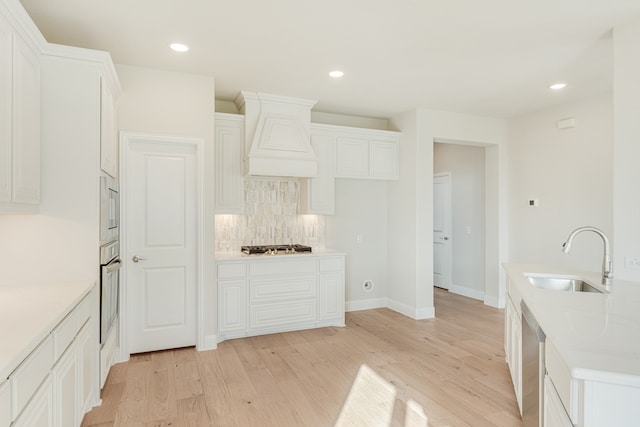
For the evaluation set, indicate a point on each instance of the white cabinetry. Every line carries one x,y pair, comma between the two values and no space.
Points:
513,346
5,403
317,195
367,153
229,151
54,385
39,411
264,295
554,413
108,131
19,121
232,297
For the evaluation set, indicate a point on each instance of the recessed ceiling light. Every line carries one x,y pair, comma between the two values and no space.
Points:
336,74
558,86
179,47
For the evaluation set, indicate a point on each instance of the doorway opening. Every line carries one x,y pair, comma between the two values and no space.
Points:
460,218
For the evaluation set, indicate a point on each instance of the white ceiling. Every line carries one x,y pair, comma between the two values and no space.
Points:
491,57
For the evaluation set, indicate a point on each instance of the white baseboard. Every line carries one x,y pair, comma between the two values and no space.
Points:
494,301
412,312
366,304
210,343
467,292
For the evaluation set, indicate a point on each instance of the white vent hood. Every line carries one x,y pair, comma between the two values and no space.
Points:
277,132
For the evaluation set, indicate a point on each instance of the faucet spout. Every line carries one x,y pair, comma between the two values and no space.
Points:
607,264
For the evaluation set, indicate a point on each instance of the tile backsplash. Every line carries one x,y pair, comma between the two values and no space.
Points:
271,217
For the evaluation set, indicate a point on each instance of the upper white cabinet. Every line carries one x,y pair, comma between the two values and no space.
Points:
367,153
346,152
229,151
317,195
19,121
108,131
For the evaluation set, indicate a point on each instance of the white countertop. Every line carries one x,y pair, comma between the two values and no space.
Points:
237,255
28,313
598,335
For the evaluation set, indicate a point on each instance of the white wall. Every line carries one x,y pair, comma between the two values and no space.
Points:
178,104
411,203
361,209
626,173
570,172
466,164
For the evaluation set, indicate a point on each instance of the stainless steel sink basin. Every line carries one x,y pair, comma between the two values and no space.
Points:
561,283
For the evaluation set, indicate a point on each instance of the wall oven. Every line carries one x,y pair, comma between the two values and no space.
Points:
109,255
109,210
109,287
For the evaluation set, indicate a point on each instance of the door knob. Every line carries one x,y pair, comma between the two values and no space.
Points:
445,238
137,258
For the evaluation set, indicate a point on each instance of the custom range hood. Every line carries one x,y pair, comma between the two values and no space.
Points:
277,135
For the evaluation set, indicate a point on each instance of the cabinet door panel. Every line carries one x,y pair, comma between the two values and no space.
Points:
108,132
39,412
272,289
229,152
384,160
232,303
5,404
282,314
331,296
65,375
352,158
318,194
26,124
87,366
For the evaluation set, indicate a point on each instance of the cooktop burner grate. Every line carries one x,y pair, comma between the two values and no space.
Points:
275,249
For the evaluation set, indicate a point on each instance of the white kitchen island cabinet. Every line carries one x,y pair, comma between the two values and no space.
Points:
591,351
263,294
19,115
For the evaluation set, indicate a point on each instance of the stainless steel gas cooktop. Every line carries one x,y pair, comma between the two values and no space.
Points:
275,249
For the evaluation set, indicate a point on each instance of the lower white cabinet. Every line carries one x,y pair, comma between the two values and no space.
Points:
39,411
554,412
65,378
513,347
55,385
265,294
5,404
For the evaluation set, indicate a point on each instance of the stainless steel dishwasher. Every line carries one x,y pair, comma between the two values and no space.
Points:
533,369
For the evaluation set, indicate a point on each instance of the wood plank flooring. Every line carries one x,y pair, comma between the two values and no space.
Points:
383,369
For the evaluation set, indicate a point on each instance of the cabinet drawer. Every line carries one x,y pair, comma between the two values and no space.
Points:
283,268
331,264
282,289
232,270
30,374
85,310
5,404
290,313
64,333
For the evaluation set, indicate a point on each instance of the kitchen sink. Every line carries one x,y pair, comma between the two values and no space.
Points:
561,283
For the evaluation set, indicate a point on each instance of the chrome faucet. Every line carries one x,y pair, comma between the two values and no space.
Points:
607,264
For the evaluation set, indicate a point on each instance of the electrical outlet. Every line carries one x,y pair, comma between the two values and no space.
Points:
632,262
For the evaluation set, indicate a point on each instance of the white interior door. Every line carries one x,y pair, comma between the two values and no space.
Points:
442,243
161,238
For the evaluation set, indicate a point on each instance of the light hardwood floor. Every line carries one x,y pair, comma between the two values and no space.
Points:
383,369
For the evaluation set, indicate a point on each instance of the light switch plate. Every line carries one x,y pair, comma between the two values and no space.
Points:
632,262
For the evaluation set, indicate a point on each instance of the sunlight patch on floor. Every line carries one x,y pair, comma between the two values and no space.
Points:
371,403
